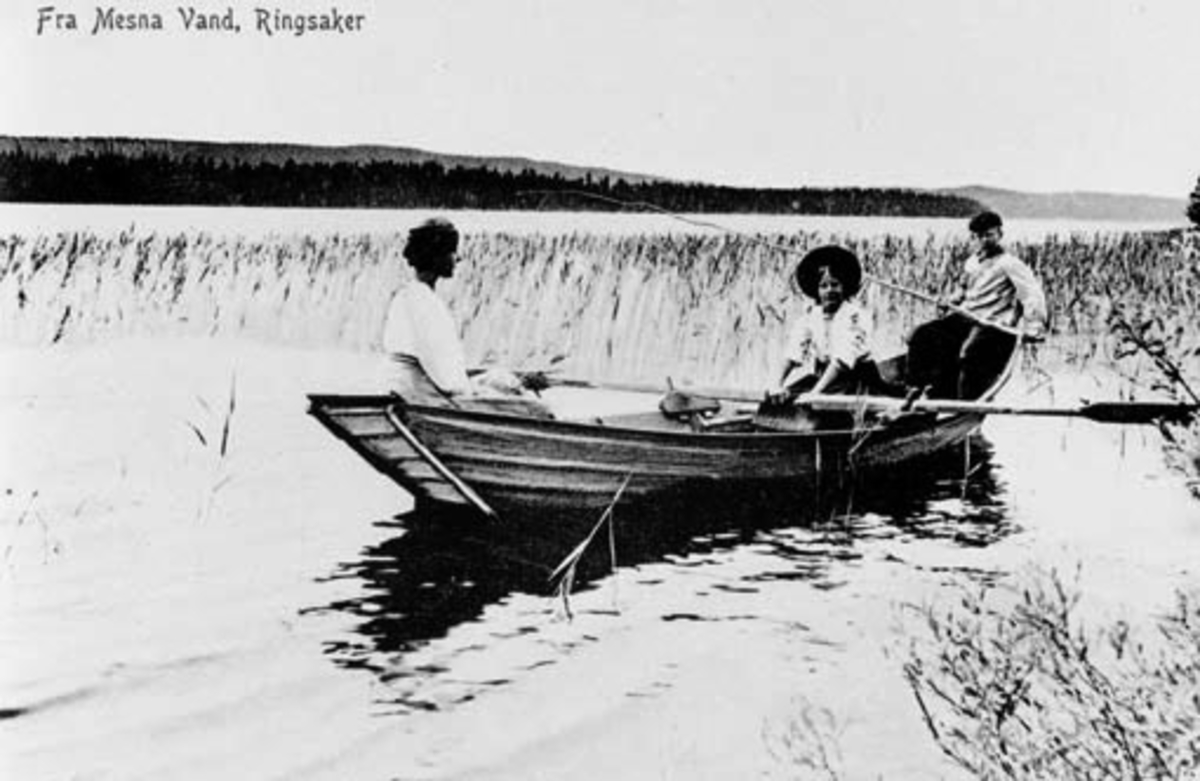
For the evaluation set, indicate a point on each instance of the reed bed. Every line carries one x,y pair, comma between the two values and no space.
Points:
708,306
82,286
1014,683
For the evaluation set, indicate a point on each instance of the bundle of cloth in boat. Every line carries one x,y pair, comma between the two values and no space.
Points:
492,390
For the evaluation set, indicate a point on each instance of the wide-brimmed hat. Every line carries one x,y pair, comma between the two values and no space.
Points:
842,263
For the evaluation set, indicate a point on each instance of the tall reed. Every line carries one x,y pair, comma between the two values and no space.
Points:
708,306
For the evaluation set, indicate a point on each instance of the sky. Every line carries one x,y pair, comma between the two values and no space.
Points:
1038,95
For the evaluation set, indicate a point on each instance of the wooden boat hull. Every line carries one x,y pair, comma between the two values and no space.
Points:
517,463
463,457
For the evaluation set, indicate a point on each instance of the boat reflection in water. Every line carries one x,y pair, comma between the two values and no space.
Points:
445,589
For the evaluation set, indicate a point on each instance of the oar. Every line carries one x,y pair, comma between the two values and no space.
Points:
1131,412
445,472
1101,411
1008,329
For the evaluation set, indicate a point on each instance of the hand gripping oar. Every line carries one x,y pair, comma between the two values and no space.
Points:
1130,412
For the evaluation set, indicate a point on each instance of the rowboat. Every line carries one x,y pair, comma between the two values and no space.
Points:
502,464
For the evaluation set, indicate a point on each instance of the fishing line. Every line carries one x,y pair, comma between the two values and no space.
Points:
647,206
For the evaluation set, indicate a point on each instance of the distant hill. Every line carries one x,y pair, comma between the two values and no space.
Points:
280,154
897,201
1076,205
172,172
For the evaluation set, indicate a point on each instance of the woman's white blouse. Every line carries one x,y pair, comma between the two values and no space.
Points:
845,337
419,325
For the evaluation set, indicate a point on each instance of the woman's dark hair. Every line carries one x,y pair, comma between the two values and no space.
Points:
984,222
433,239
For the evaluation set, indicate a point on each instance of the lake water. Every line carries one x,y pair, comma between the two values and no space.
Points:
168,611
263,221
278,613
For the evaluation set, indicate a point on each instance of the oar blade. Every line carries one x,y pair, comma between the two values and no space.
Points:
1139,412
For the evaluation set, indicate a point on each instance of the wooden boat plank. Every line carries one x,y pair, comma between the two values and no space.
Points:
365,426
471,456
602,443
441,491
484,466
488,476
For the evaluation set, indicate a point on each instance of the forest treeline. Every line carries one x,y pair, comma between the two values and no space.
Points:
160,179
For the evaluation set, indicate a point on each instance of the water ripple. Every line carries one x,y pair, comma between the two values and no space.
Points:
446,613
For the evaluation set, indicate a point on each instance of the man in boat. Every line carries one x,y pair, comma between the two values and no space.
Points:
428,363
960,354
829,347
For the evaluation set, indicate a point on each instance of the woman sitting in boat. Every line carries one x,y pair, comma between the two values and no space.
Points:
829,349
428,363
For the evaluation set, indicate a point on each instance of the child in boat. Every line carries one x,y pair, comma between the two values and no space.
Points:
428,364
958,356
829,348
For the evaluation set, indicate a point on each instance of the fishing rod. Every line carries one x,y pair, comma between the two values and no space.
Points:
647,206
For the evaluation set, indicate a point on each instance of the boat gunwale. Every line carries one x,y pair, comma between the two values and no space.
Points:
379,402
766,438
923,422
